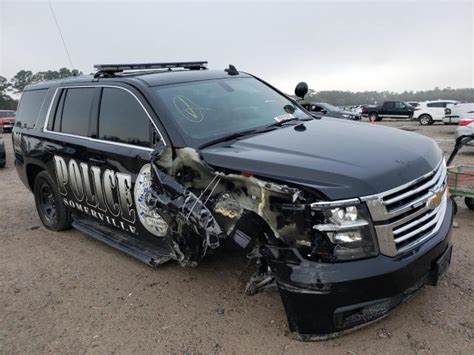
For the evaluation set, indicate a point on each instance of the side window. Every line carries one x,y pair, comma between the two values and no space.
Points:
389,104
76,111
399,105
122,118
316,108
307,106
29,109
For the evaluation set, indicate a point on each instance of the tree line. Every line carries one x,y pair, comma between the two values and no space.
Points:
335,97
25,77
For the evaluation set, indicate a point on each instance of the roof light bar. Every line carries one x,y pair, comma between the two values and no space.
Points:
113,68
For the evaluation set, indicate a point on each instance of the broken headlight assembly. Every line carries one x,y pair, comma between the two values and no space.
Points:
341,231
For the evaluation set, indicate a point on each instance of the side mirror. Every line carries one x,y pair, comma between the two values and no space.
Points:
323,112
301,90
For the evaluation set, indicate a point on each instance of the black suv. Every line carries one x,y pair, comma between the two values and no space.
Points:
389,109
168,161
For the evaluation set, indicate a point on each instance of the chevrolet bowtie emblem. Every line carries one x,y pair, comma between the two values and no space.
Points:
435,200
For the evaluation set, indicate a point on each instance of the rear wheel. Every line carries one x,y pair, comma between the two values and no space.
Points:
426,120
374,117
51,210
469,202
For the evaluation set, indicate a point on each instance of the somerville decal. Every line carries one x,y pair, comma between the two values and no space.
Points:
103,194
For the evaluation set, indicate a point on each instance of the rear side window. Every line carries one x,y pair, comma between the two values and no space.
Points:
122,118
389,104
76,111
436,104
30,107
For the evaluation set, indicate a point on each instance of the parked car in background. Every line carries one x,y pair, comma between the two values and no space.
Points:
7,120
454,112
429,112
325,109
358,109
389,109
2,153
466,128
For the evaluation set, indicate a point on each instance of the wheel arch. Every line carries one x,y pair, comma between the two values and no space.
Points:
32,171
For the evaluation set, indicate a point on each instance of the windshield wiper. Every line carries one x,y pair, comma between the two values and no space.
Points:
253,131
230,137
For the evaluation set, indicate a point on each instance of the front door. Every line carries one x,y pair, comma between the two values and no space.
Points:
123,135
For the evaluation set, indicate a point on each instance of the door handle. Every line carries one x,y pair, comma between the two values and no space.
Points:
50,149
97,161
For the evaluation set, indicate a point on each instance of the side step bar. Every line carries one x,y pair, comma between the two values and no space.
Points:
151,253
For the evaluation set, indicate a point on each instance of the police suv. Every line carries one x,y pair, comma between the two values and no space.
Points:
167,161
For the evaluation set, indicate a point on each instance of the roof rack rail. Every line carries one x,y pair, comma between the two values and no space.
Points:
111,69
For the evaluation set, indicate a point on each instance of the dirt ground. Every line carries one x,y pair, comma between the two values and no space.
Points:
67,293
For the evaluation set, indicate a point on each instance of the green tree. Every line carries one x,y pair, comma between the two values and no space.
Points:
26,77
21,79
6,102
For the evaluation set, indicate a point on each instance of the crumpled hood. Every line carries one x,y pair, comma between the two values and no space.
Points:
340,158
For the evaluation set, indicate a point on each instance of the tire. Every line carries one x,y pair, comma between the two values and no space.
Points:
469,202
455,206
53,213
425,120
374,117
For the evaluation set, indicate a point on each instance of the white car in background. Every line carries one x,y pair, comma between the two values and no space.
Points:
429,112
453,113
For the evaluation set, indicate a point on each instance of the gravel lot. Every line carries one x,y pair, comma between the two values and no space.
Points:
67,293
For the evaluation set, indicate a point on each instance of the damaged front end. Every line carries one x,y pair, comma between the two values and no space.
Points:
299,242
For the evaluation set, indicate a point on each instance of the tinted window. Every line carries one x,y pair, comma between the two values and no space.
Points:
437,104
123,119
7,113
389,105
400,105
76,111
30,106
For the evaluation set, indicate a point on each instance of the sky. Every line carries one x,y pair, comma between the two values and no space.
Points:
332,45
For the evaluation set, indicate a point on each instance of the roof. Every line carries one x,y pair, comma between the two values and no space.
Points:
149,78
181,76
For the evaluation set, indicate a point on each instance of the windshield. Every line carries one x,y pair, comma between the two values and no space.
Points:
8,114
211,109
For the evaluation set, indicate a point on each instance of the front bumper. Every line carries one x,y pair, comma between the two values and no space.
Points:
326,300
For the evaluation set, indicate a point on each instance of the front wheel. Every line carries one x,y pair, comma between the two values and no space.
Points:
426,120
51,209
469,202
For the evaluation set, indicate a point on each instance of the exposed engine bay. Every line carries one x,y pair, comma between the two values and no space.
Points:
181,198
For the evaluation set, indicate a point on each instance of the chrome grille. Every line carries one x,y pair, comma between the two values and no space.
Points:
408,215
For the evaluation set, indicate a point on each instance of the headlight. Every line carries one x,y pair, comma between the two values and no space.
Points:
345,230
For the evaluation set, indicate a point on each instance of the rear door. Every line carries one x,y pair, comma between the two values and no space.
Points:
436,109
67,140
